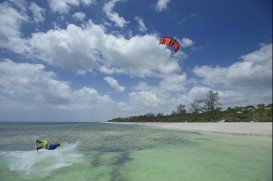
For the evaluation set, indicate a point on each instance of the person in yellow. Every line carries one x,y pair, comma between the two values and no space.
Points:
44,145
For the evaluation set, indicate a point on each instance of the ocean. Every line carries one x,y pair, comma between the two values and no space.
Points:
117,152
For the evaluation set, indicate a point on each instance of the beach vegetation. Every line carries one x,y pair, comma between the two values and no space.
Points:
207,109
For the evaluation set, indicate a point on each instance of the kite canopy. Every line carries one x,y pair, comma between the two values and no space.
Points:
169,41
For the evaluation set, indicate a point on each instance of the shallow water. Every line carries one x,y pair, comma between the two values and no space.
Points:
99,151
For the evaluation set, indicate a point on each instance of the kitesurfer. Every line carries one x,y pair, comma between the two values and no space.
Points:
44,145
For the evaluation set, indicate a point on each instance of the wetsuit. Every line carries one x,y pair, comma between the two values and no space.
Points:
52,146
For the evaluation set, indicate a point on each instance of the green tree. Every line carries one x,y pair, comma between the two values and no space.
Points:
181,109
211,102
261,106
159,115
250,107
196,106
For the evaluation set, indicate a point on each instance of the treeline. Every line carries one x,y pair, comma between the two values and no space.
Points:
207,110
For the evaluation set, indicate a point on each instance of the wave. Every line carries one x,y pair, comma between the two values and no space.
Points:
44,162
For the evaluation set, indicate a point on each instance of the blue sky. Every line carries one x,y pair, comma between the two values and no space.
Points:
90,60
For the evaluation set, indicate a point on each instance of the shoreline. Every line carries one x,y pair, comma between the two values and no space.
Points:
239,128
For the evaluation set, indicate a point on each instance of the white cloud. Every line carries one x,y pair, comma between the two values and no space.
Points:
140,55
173,83
141,24
37,12
30,84
20,5
114,16
114,83
90,48
11,21
231,98
63,6
162,5
150,99
89,98
30,88
112,70
186,42
79,15
25,86
254,71
248,81
87,48
73,48
147,99
197,92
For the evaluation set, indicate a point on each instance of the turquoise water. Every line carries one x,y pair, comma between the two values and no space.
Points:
100,151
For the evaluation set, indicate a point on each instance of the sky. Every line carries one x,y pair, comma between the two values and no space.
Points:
94,60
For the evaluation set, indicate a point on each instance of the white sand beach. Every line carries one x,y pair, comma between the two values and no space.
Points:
246,128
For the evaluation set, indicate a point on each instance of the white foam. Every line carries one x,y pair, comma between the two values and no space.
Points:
45,161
